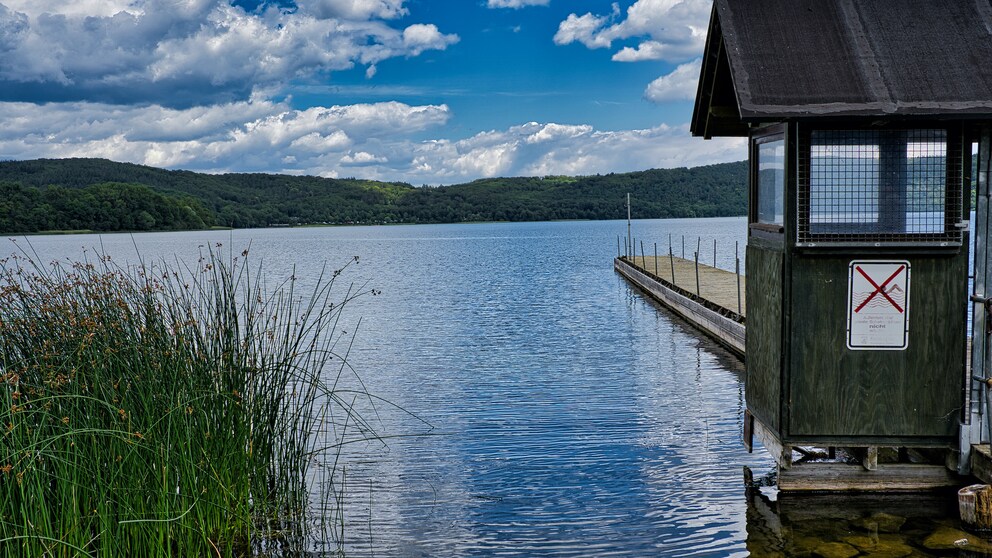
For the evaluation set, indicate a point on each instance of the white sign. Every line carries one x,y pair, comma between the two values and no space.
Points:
878,305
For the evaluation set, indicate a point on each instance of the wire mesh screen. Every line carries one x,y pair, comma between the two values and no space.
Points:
878,186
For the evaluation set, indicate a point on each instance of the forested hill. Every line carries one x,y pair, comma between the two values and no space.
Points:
101,195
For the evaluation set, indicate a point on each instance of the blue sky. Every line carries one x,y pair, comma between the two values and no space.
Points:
421,91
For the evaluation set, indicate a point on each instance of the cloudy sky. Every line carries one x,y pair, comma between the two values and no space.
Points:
420,91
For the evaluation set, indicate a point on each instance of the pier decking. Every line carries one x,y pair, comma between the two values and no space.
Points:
712,299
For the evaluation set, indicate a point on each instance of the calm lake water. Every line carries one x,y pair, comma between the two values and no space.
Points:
559,412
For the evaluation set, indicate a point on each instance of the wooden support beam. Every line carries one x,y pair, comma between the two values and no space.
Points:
869,459
780,452
981,463
887,477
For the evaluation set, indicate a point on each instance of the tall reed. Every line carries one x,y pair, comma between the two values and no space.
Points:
169,409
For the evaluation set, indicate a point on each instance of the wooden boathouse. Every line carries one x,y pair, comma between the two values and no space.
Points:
862,119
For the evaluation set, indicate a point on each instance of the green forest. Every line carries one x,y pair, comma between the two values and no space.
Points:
101,195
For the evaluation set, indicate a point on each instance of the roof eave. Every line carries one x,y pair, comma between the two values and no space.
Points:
711,119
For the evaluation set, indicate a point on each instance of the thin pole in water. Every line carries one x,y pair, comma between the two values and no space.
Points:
714,252
618,246
655,259
683,247
644,260
626,249
629,238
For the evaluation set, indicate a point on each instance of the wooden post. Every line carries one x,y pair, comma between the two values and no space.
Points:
671,260
683,247
869,459
975,506
626,250
644,259
714,253
699,294
655,259
618,246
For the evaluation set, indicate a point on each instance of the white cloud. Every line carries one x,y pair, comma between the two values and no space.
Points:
186,52
375,141
553,132
255,135
587,29
679,85
676,29
97,8
362,158
516,4
353,9
648,50
420,37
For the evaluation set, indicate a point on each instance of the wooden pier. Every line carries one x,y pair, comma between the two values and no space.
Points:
711,299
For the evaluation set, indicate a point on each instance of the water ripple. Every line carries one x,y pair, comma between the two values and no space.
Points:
571,416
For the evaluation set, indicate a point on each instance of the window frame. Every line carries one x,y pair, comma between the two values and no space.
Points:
954,205
770,231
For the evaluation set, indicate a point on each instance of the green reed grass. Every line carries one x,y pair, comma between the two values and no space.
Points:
169,410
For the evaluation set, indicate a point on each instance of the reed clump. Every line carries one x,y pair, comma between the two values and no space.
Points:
168,410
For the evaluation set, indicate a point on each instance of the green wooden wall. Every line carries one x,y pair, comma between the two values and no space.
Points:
875,394
763,341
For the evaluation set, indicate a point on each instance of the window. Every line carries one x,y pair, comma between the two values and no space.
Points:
771,181
878,186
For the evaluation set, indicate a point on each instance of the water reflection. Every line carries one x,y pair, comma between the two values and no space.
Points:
829,525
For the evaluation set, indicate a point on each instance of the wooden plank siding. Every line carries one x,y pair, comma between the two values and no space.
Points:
877,396
764,340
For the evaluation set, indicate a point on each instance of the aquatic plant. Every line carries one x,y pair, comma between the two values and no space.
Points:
170,409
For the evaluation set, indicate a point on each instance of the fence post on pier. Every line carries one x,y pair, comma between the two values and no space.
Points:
626,250
671,260
644,259
618,246
699,294
738,269
655,259
683,247
714,252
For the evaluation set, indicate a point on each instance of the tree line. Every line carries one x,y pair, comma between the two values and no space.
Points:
101,195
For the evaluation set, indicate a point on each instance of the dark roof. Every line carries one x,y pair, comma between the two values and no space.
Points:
770,60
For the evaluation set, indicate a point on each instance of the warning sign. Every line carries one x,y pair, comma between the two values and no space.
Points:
878,305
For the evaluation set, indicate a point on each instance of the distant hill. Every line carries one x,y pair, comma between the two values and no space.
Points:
101,195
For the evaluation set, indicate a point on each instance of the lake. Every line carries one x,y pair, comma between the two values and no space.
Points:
540,406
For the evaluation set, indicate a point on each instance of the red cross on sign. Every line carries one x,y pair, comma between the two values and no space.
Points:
878,305
879,288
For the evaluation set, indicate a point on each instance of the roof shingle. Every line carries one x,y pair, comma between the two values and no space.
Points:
814,58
